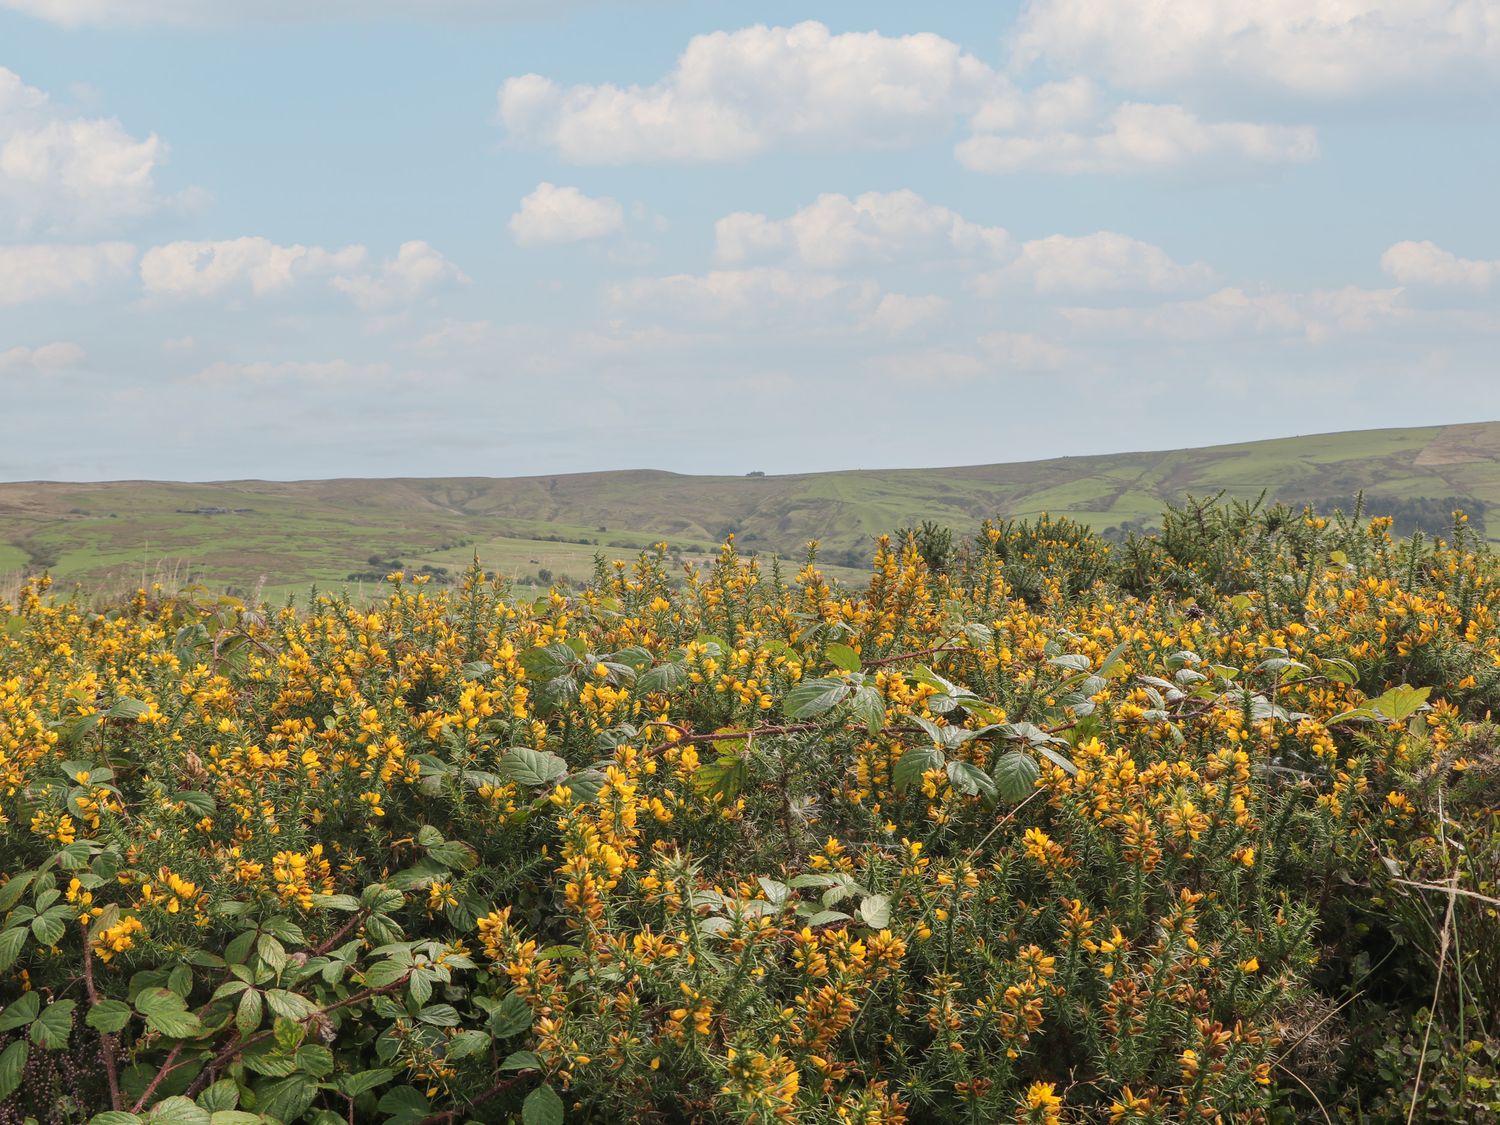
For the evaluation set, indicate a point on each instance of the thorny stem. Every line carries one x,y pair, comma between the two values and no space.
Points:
111,1065
240,1045
498,1088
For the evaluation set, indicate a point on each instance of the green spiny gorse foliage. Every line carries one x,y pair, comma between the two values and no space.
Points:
1200,827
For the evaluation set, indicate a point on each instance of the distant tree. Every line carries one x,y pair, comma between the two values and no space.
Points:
934,544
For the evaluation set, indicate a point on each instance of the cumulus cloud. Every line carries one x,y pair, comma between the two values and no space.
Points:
873,228
60,172
1233,313
262,268
40,272
208,269
1094,263
1424,263
43,360
1132,137
876,229
899,314
564,214
736,93
415,271
1317,47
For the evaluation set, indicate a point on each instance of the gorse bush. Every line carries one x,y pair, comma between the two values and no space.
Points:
1201,828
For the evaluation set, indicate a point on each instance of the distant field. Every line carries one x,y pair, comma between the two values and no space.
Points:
286,536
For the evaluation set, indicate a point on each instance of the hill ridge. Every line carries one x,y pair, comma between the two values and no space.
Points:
293,533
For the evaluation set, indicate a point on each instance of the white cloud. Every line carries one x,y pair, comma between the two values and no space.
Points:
749,297
46,359
262,267
207,269
1094,263
60,172
900,227
564,214
416,270
1233,313
735,93
41,272
1318,47
1133,137
898,314
873,228
1424,263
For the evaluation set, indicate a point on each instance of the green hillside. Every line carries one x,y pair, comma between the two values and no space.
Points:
283,536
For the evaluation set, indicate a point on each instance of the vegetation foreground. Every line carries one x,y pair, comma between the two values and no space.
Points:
1204,827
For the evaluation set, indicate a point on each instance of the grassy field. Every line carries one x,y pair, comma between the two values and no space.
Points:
284,536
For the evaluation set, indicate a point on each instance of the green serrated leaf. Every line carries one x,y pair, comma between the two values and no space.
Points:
176,1111
875,911
666,677
384,974
970,780
347,903
286,1098
221,1095
48,930
128,709
12,941
108,1016
365,1080
247,1014
152,1000
531,768
454,854
913,764
869,708
1401,702
1016,775
467,1043
842,656
825,917
542,1107
584,785
289,1005
813,697
12,1067
271,952
722,780
52,1029
21,1012
176,1025
510,1017
521,1060
15,886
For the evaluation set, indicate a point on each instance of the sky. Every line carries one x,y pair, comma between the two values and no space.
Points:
295,239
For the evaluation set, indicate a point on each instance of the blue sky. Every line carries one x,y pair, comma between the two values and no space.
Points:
327,238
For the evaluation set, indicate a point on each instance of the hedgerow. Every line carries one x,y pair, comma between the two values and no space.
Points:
1200,827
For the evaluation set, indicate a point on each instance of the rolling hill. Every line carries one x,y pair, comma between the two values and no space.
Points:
283,536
